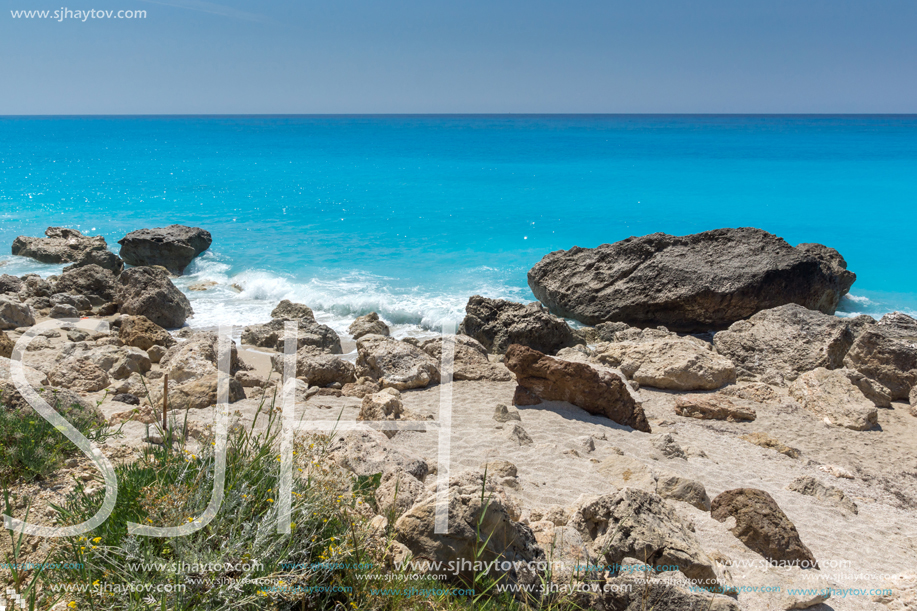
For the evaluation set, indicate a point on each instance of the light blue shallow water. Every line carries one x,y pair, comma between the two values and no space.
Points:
411,215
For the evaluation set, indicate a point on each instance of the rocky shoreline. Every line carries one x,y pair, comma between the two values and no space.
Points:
714,411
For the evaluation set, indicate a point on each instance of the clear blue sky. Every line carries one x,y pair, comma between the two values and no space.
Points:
430,56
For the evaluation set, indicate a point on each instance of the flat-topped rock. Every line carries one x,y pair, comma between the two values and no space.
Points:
689,283
61,245
172,247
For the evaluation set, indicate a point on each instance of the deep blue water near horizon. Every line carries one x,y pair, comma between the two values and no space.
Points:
410,215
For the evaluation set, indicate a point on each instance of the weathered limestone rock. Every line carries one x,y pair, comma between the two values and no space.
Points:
632,523
383,405
470,360
148,291
63,310
808,485
197,357
597,392
670,363
712,407
61,245
831,395
898,325
79,302
317,368
367,325
689,283
14,315
628,472
368,453
309,333
198,393
394,363
103,258
10,285
118,362
79,374
172,247
484,529
766,441
397,492
762,526
141,332
287,310
34,376
497,324
890,362
6,345
784,342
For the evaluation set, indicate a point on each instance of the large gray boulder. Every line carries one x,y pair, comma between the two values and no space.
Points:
482,526
633,523
672,363
831,395
198,357
497,324
395,364
103,258
10,284
369,324
309,334
689,283
172,247
148,291
90,281
781,343
883,357
470,361
898,325
62,245
316,368
14,314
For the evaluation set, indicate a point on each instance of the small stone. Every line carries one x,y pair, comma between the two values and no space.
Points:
669,448
517,433
766,441
504,414
836,471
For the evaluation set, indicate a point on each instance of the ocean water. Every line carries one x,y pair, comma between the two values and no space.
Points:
410,215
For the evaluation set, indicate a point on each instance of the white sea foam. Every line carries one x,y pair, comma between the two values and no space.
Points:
337,299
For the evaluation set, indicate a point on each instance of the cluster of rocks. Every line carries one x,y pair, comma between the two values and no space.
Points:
97,284
486,523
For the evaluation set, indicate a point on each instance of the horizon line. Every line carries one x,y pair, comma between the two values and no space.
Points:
473,114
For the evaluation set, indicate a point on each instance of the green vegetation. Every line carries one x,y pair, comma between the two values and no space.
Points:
31,448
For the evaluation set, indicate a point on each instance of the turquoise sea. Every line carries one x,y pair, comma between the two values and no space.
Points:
410,215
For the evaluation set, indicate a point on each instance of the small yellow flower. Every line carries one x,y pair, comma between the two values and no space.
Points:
270,500
72,604
97,539
96,582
